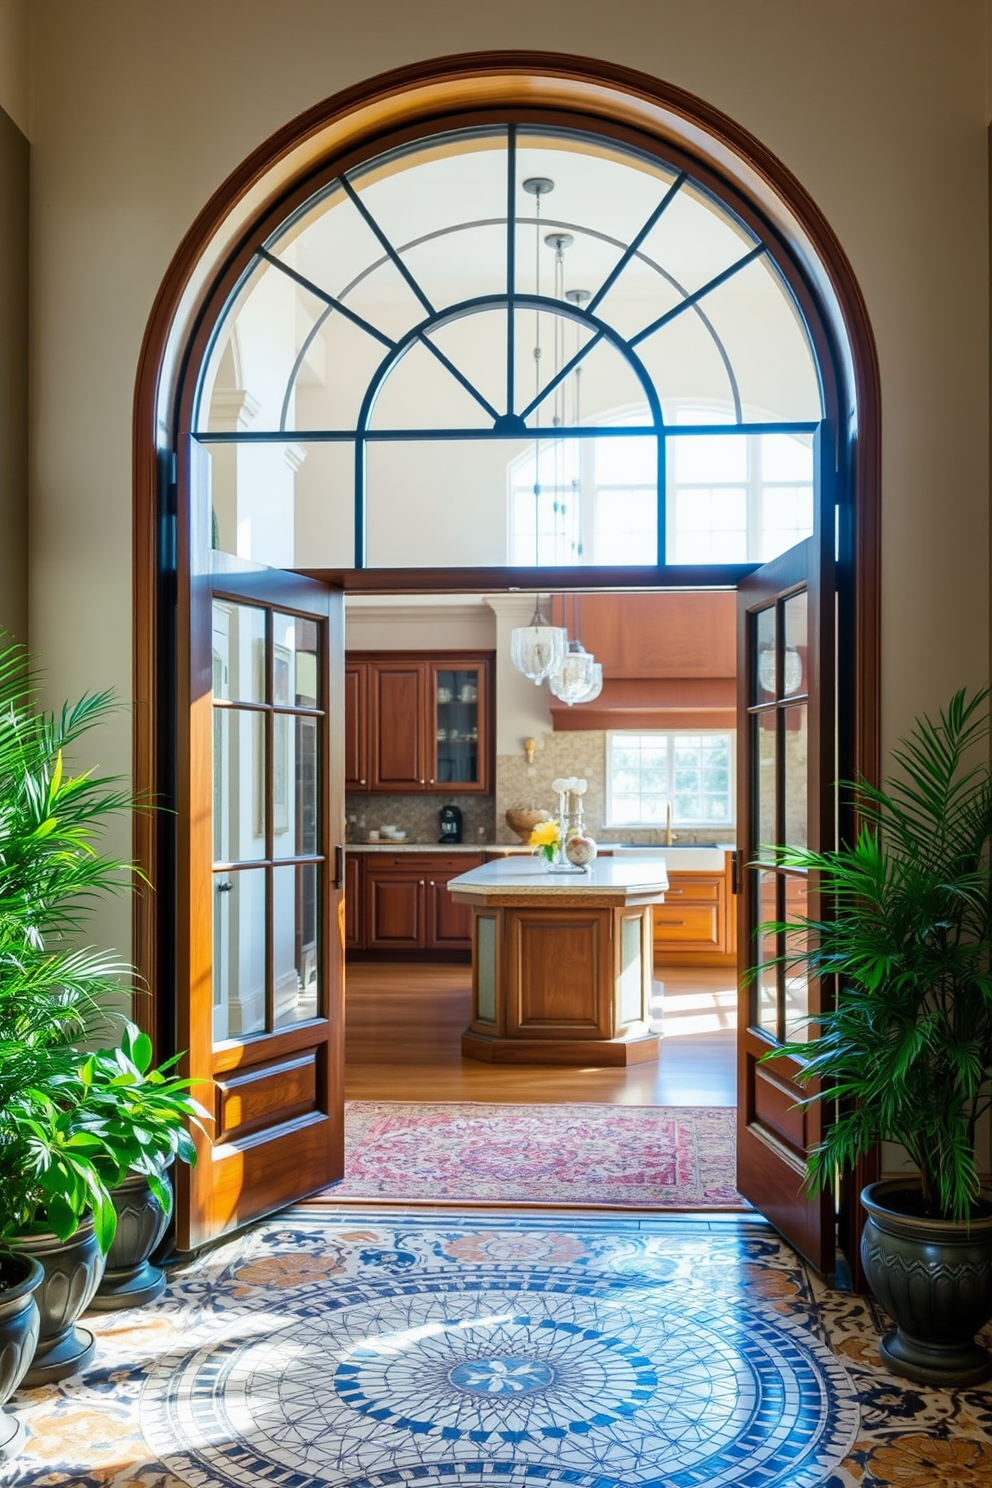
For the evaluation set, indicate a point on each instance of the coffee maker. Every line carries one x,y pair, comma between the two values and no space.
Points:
451,824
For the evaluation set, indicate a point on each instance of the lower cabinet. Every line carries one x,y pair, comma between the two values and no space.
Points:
697,923
401,903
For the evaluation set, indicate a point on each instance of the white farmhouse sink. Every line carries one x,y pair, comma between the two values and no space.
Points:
686,859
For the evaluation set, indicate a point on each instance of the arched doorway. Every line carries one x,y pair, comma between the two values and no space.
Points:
253,233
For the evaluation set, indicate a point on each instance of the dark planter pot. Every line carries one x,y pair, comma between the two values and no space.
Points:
934,1277
130,1279
72,1271
19,1324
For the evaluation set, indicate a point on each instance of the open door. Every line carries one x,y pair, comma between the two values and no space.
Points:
786,752
261,868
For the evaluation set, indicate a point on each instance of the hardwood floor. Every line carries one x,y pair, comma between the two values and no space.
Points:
404,1025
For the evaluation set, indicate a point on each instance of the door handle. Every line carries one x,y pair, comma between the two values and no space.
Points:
225,886
338,866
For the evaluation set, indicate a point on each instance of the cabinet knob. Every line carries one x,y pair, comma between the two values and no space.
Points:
361,782
432,780
421,779
421,883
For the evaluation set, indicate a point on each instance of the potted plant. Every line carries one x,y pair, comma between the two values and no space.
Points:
20,1277
905,1053
61,1148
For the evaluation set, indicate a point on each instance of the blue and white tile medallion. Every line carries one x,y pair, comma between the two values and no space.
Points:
598,1355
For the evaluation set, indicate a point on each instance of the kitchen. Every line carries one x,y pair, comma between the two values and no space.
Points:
414,701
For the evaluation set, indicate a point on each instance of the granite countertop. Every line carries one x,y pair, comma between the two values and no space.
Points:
614,877
435,847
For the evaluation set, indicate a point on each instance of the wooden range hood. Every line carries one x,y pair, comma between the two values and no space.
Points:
669,661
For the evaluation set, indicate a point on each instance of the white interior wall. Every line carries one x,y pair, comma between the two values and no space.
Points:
880,111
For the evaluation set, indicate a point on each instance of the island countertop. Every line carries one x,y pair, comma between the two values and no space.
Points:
623,880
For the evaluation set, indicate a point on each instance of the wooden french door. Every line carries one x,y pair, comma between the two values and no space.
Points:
261,1010
786,751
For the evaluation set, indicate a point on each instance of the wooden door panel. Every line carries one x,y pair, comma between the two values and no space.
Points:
260,997
785,795
397,712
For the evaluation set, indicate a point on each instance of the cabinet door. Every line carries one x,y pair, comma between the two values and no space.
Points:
397,708
394,910
458,727
449,925
356,733
693,919
353,937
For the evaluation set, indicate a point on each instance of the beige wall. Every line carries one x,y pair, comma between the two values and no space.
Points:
15,77
139,112
14,156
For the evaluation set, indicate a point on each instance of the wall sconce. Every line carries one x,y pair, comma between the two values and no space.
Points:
529,746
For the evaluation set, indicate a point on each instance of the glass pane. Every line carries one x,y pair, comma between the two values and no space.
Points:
764,645
766,343
603,382
766,783
295,944
422,393
238,652
295,786
285,505
796,797
796,980
239,804
795,616
239,953
457,745
295,674
766,1012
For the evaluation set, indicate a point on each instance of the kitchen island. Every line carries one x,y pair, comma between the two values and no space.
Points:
561,962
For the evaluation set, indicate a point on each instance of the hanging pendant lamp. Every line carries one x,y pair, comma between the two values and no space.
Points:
574,679
538,649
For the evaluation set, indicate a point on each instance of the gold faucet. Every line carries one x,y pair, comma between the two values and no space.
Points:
669,834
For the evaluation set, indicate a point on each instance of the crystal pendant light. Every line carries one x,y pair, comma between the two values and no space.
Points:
580,677
792,664
573,681
538,649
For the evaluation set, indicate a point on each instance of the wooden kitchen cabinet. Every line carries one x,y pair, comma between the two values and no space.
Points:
419,722
402,904
356,725
697,923
354,934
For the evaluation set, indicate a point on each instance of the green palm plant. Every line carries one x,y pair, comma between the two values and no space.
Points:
71,1124
906,1050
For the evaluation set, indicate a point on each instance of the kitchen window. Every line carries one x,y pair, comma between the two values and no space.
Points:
693,772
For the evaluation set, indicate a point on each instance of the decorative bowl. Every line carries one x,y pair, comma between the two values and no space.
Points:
523,820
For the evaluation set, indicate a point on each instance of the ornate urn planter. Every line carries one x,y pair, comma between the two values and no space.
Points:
934,1277
21,1276
130,1279
71,1274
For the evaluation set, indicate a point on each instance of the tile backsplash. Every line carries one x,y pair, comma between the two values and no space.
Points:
418,815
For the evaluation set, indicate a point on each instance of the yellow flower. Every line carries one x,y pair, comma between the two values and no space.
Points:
545,834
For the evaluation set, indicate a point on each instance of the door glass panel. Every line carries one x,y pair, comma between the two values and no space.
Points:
766,1013
457,731
295,791
295,929
294,670
239,953
796,981
795,623
764,669
239,803
238,652
796,789
766,785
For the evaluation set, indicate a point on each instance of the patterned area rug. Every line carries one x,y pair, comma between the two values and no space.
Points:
361,1349
632,1157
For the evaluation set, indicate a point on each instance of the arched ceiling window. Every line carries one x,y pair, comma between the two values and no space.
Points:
506,345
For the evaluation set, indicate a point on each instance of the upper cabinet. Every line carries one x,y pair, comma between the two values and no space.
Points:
419,723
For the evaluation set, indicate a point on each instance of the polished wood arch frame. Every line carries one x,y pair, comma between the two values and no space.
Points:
452,92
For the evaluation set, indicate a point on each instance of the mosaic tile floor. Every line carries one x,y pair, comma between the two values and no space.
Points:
366,1349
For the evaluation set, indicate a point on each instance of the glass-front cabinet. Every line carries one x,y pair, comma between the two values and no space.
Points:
457,726
419,722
